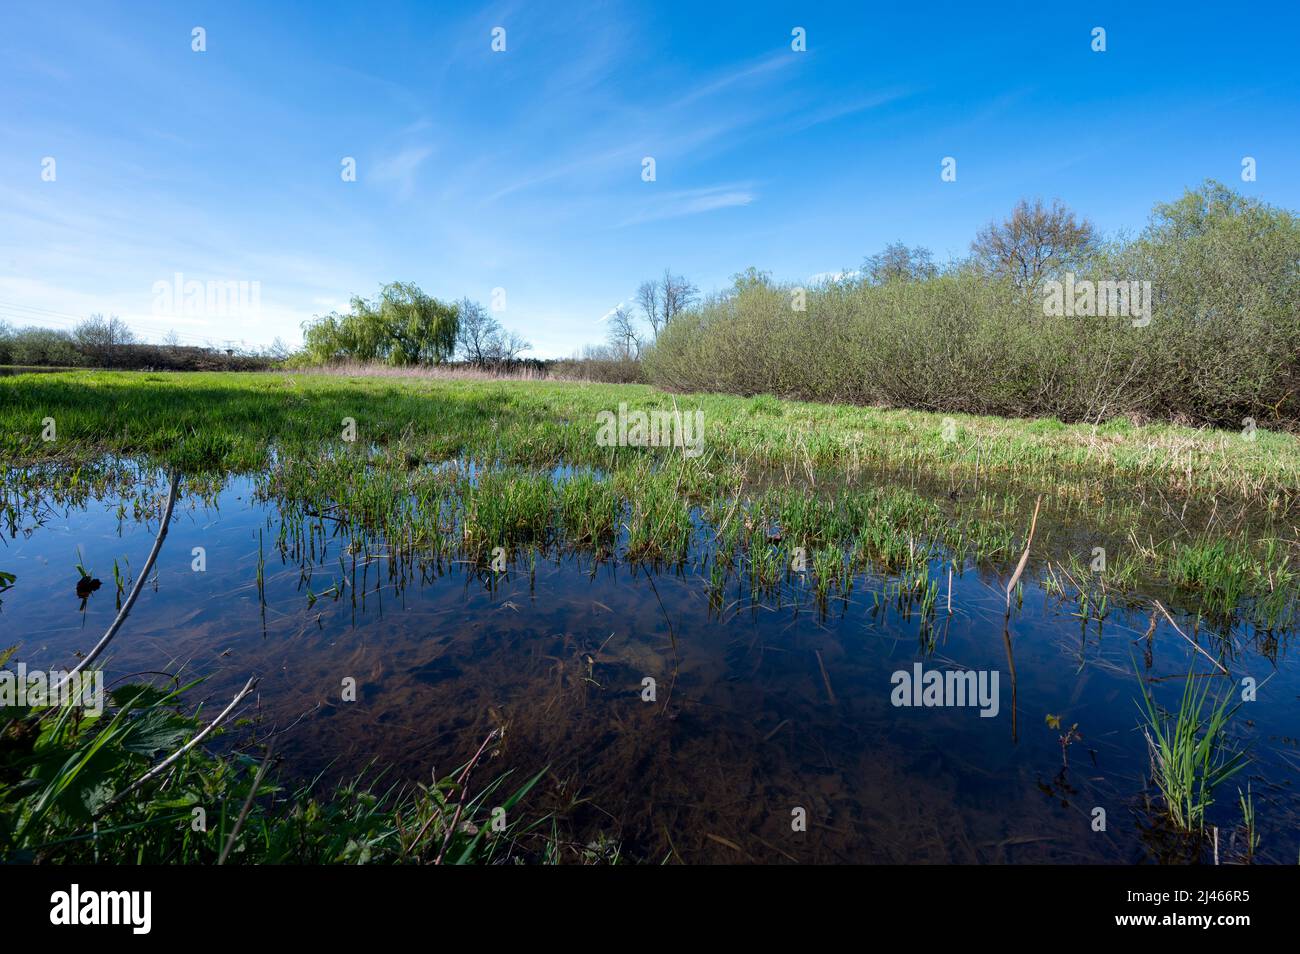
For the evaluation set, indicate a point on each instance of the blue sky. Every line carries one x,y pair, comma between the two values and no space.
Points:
522,170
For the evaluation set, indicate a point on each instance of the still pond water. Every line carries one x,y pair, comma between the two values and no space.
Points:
760,709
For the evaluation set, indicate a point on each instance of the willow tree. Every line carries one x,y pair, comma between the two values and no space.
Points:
403,326
421,329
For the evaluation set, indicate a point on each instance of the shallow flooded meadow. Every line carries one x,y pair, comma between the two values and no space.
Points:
772,632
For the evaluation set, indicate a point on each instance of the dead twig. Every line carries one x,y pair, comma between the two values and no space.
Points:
1195,646
463,784
1024,557
176,756
135,590
248,804
826,680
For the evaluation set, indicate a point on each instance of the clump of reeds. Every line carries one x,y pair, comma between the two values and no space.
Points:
1191,754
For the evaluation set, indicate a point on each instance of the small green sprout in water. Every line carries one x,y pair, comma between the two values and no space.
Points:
1247,803
86,582
1067,737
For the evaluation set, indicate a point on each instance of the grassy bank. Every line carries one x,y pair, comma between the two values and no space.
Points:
232,422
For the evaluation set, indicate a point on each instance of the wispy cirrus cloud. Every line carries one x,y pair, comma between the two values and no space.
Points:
398,170
806,118
625,303
696,119
739,76
683,202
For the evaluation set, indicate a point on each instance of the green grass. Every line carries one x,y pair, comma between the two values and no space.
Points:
876,485
1226,572
502,507
232,421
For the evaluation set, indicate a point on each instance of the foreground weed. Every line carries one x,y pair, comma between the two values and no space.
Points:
1190,752
70,792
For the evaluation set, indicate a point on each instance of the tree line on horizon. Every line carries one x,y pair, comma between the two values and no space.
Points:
100,342
979,335
971,335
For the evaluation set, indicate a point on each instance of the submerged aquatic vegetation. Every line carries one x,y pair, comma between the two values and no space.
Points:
658,523
337,527
589,509
504,507
669,510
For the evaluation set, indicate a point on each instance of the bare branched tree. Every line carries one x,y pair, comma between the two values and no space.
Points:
664,299
679,294
647,296
480,339
477,333
623,334
1036,240
897,262
509,345
98,333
